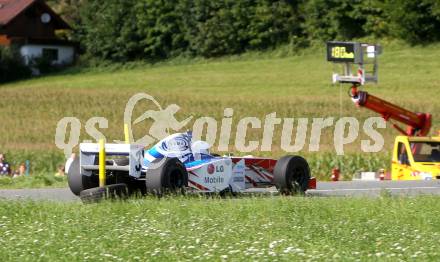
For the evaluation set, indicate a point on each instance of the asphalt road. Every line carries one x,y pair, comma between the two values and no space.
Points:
325,189
376,188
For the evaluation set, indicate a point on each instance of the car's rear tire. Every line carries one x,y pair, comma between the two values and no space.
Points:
76,181
96,194
166,175
291,175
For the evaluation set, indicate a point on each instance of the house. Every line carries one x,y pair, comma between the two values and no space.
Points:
31,25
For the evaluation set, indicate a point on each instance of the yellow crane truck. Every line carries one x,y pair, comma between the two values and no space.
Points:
416,156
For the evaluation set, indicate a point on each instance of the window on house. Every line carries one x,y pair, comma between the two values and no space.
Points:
50,53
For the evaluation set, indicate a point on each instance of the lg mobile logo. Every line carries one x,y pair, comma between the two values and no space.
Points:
214,169
164,122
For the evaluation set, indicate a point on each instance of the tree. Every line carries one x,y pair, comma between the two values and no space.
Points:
108,30
415,21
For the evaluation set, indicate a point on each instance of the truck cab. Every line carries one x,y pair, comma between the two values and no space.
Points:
416,158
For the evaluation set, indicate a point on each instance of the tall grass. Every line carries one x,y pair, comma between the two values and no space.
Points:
321,165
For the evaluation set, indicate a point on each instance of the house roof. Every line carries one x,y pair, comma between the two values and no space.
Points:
9,9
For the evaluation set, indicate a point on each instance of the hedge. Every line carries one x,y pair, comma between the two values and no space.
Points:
125,30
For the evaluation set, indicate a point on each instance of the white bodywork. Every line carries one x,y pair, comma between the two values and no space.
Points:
206,173
89,152
214,176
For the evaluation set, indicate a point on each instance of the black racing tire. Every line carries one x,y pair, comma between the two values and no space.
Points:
228,192
96,194
78,182
166,175
291,175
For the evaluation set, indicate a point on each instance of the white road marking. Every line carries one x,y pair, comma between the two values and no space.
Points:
374,188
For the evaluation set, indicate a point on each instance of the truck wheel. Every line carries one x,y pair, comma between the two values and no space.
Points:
96,194
166,175
291,175
78,182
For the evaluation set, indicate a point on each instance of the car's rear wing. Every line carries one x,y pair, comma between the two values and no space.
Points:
89,154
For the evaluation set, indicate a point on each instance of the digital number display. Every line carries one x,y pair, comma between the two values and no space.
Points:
342,52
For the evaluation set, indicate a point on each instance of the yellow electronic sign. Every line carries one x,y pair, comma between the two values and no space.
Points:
348,52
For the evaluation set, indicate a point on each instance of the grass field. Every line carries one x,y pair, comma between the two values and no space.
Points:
34,181
253,85
243,229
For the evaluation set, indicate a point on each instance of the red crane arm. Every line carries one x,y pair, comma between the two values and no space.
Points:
418,124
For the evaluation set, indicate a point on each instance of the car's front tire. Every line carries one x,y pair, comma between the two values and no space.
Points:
166,175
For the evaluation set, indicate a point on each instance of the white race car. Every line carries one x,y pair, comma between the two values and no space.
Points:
177,163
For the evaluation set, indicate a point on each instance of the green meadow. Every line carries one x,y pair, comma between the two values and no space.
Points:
214,229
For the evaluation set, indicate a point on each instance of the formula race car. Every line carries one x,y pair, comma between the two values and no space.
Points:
177,164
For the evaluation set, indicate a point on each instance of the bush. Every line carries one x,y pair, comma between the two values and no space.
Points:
149,29
415,21
344,19
43,65
160,26
109,30
126,30
12,66
231,27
